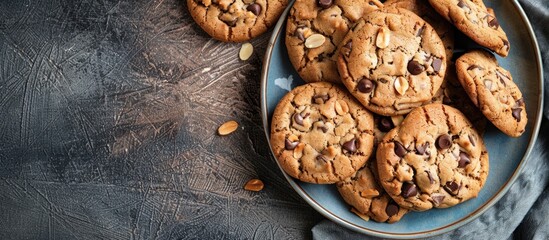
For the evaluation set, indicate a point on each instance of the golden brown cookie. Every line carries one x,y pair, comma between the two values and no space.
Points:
473,19
363,193
321,134
434,158
492,90
236,20
392,61
423,9
314,30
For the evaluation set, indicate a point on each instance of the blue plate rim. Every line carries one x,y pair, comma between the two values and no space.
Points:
458,223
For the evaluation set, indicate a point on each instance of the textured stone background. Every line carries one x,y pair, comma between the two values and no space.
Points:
108,118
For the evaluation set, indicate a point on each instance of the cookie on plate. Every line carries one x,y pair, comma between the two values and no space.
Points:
364,194
473,19
434,158
492,90
423,9
236,20
392,61
321,134
314,30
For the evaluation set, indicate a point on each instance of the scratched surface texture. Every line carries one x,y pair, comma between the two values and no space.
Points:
108,118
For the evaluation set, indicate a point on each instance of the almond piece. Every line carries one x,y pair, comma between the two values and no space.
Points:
397,120
361,215
255,185
314,41
401,85
298,151
369,193
383,37
246,51
227,128
293,138
341,107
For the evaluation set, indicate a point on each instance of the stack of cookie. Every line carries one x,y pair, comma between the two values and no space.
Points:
385,114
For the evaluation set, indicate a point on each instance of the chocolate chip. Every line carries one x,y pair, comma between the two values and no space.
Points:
254,8
420,149
346,50
321,98
431,180
415,68
325,3
437,198
520,102
462,4
349,44
493,23
516,113
298,119
452,187
420,31
472,140
463,159
443,142
289,145
371,3
400,150
231,23
365,85
324,129
437,63
322,158
391,209
350,146
385,124
408,189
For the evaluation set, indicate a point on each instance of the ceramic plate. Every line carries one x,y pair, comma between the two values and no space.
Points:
507,155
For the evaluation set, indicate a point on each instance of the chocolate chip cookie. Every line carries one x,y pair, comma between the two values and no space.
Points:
235,20
492,90
423,9
392,61
363,193
321,134
473,19
314,30
434,158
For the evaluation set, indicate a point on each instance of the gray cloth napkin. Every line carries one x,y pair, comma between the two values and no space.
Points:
523,212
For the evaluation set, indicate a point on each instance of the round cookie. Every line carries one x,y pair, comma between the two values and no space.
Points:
320,134
329,20
492,90
364,194
236,20
423,9
434,158
473,19
392,61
